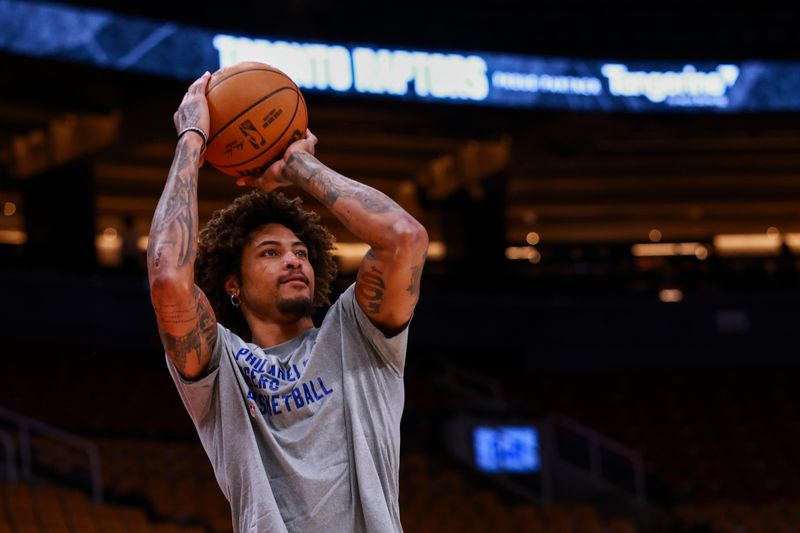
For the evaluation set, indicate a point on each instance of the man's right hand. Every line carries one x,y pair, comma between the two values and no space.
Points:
193,111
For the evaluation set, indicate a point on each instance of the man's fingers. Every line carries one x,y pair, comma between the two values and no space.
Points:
194,87
199,84
248,182
311,137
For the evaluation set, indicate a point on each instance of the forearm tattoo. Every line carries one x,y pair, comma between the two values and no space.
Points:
173,233
372,217
328,186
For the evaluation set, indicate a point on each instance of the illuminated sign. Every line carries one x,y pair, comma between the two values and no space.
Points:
311,66
547,83
119,42
433,75
688,86
366,70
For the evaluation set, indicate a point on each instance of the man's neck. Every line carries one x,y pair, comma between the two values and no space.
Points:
268,334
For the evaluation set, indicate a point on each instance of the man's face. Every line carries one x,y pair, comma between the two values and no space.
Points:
277,279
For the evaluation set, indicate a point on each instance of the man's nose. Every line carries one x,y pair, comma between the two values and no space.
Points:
292,261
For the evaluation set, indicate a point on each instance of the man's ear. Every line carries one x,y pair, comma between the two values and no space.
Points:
232,285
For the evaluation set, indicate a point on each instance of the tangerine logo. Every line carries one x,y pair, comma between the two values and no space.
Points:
658,86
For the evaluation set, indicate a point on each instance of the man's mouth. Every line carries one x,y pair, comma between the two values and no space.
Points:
294,278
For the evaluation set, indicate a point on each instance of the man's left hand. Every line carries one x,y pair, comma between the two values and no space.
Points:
274,177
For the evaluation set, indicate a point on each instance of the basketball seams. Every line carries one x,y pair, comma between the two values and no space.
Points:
279,137
276,71
258,73
254,104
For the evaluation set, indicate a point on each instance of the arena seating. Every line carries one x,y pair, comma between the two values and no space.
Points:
28,508
724,517
174,477
711,435
438,499
175,481
724,442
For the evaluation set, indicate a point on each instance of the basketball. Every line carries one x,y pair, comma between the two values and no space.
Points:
256,112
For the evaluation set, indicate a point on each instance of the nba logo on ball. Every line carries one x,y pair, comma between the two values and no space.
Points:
256,112
251,134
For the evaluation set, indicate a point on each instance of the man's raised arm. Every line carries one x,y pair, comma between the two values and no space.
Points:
387,286
186,321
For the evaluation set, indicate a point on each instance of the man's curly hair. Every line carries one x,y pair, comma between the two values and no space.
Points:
219,251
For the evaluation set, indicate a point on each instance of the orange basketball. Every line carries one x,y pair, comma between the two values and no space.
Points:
256,111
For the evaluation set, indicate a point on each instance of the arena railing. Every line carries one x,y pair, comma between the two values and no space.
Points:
598,442
26,427
10,457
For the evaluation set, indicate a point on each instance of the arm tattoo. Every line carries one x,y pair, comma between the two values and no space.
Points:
377,220
179,347
416,277
372,288
188,115
207,322
173,233
200,340
329,186
159,251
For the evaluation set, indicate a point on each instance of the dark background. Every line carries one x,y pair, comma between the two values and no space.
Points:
581,332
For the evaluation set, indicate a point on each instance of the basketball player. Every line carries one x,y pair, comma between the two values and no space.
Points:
301,423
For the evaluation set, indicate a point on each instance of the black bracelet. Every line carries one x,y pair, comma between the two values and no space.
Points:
197,130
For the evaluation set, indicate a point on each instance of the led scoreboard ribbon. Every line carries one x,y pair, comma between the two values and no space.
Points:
119,42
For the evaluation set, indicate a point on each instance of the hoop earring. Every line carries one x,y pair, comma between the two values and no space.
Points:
235,301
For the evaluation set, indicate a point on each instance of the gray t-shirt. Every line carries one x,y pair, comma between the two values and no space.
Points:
305,436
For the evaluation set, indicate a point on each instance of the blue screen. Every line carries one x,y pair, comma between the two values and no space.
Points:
506,449
121,42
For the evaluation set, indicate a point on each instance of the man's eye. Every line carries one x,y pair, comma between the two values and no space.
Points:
271,253
301,253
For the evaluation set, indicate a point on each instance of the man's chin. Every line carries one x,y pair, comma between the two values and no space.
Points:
300,307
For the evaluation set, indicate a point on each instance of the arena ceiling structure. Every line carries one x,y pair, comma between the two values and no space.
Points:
524,178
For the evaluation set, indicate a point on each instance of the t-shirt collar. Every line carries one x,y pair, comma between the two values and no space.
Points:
289,346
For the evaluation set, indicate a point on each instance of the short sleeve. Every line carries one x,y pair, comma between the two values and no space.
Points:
391,350
198,395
